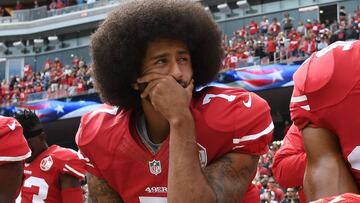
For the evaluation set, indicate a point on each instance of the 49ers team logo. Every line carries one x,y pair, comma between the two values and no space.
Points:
155,167
46,163
202,155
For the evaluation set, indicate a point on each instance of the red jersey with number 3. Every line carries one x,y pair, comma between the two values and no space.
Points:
41,183
226,120
13,146
327,95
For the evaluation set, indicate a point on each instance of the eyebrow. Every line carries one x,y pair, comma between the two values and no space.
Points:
162,55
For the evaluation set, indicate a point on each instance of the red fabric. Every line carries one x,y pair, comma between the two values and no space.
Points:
224,123
279,194
274,28
28,70
310,46
294,45
59,4
231,61
308,26
72,195
343,198
271,46
13,146
253,28
42,174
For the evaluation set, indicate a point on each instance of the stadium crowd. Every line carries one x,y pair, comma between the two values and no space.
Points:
55,80
283,40
53,5
256,43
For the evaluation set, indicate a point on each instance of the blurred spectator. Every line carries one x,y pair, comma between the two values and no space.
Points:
309,46
334,26
2,11
308,27
36,4
253,27
264,25
231,59
259,50
291,196
79,2
28,70
287,23
60,4
342,14
276,193
271,48
274,27
323,43
301,28
52,5
316,26
19,5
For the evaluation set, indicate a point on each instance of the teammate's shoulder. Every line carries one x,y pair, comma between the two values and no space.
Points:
62,153
339,59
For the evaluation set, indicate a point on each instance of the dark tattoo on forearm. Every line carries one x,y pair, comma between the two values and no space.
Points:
229,183
100,191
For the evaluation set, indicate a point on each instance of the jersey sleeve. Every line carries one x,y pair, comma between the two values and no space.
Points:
71,163
244,115
290,160
85,153
13,146
94,149
300,110
254,127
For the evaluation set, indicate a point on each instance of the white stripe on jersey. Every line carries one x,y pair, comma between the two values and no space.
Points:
15,158
74,171
254,136
298,99
306,107
112,111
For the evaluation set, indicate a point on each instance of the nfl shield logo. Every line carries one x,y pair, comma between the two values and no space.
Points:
46,163
155,167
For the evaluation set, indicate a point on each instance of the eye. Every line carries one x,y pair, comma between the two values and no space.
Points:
183,59
161,61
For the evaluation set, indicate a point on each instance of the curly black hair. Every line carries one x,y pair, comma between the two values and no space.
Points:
30,122
118,47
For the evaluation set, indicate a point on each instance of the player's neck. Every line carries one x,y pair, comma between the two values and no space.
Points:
36,153
157,126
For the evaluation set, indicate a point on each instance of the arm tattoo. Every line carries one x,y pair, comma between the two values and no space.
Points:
230,179
100,191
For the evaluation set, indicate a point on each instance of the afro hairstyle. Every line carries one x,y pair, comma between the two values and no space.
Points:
118,47
31,124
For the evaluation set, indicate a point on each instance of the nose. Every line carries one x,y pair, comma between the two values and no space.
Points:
175,70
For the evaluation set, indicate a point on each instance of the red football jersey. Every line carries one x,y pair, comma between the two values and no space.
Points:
327,95
13,146
290,161
41,182
343,198
226,120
